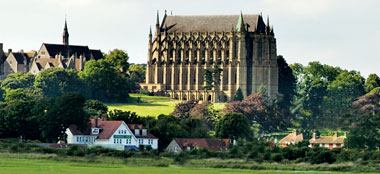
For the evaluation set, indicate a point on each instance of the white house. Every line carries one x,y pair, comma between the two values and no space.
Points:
112,134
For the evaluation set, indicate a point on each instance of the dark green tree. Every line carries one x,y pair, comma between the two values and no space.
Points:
95,107
344,90
118,59
54,82
127,116
103,82
238,95
59,113
208,79
18,80
233,126
286,85
372,82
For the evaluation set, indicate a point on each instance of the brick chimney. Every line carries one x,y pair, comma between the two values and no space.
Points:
345,134
96,121
314,135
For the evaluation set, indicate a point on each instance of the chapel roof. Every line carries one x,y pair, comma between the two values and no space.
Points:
211,23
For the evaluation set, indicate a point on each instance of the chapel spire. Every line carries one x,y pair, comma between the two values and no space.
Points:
65,34
240,26
158,31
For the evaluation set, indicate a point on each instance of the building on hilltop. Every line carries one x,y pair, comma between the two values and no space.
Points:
112,134
241,46
63,55
49,55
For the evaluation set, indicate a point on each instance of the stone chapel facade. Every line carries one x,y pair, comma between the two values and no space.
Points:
241,46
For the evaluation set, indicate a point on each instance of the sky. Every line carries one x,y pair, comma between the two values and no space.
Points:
344,33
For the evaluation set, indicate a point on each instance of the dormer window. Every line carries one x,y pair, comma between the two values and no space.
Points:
95,131
137,132
144,132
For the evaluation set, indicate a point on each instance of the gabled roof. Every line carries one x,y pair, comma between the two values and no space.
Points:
132,127
108,128
97,54
210,144
327,140
67,51
211,23
20,57
292,138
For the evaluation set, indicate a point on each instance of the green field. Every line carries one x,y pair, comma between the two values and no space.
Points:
150,105
33,164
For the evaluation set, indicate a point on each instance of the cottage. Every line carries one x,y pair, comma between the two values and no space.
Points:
292,138
327,141
112,134
181,144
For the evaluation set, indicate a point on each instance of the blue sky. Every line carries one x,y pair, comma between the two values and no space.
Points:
343,33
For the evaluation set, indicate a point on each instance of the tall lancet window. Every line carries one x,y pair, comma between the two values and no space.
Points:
260,52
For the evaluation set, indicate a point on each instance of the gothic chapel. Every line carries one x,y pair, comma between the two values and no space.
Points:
241,47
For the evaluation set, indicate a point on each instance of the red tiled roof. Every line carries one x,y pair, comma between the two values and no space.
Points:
107,127
291,138
132,127
210,144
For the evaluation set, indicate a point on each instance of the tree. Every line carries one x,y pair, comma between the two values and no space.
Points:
205,112
182,110
95,107
311,89
103,82
286,85
233,126
54,82
372,82
118,59
57,114
345,89
238,95
208,79
127,116
18,80
139,69
256,108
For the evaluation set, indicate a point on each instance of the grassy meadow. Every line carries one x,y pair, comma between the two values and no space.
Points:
150,105
13,163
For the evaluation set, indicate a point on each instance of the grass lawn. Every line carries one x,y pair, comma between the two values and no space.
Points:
16,164
150,105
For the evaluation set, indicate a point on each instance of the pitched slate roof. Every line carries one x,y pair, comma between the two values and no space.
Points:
327,140
67,51
97,54
292,138
211,23
20,57
210,144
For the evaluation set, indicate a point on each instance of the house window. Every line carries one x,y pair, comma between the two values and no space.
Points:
141,141
77,139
